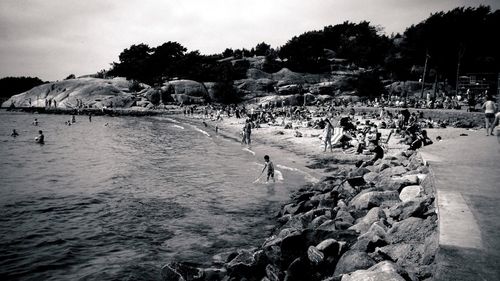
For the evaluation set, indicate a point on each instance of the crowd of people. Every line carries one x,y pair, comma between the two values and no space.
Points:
342,127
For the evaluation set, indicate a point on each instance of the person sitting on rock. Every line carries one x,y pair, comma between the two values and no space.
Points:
378,151
421,140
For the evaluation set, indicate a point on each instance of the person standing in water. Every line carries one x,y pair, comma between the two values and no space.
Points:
35,122
327,135
90,116
270,168
41,138
248,131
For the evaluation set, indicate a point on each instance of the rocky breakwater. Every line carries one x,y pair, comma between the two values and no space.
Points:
371,223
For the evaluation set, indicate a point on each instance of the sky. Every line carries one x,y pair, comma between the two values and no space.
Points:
52,39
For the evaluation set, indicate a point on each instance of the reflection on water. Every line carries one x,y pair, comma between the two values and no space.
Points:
117,202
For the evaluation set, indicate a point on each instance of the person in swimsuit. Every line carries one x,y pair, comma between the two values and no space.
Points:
489,114
270,168
40,139
327,135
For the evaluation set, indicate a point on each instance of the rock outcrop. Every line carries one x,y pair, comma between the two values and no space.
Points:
80,92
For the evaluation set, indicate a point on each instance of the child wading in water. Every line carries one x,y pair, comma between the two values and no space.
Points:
270,168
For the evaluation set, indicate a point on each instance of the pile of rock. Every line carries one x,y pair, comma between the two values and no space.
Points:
371,223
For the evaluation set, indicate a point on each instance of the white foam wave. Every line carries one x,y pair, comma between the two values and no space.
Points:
177,126
278,175
171,120
307,176
201,131
248,150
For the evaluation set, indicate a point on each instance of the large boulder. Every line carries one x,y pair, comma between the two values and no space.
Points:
372,199
393,171
177,271
247,263
287,77
411,208
300,269
376,236
363,224
385,270
403,253
91,92
262,85
187,87
152,95
410,192
353,260
334,85
253,73
412,230
396,183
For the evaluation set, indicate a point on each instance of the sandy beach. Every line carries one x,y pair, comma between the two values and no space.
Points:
310,146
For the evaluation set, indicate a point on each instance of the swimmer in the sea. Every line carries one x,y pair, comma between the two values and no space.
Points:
14,133
35,122
41,138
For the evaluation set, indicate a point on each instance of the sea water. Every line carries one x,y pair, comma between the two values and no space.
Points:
119,197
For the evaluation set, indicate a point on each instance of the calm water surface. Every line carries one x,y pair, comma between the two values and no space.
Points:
118,201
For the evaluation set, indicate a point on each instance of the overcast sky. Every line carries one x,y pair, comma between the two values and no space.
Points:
51,39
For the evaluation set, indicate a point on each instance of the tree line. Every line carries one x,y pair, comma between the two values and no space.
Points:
462,40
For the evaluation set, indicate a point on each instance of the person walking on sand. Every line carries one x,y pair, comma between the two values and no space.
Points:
327,134
270,168
489,114
41,138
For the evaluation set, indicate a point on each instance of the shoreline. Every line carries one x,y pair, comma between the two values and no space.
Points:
308,148
370,226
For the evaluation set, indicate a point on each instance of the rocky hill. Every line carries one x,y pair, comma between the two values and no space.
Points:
84,92
258,86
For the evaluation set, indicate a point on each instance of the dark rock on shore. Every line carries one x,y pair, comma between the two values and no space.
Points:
382,229
353,260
